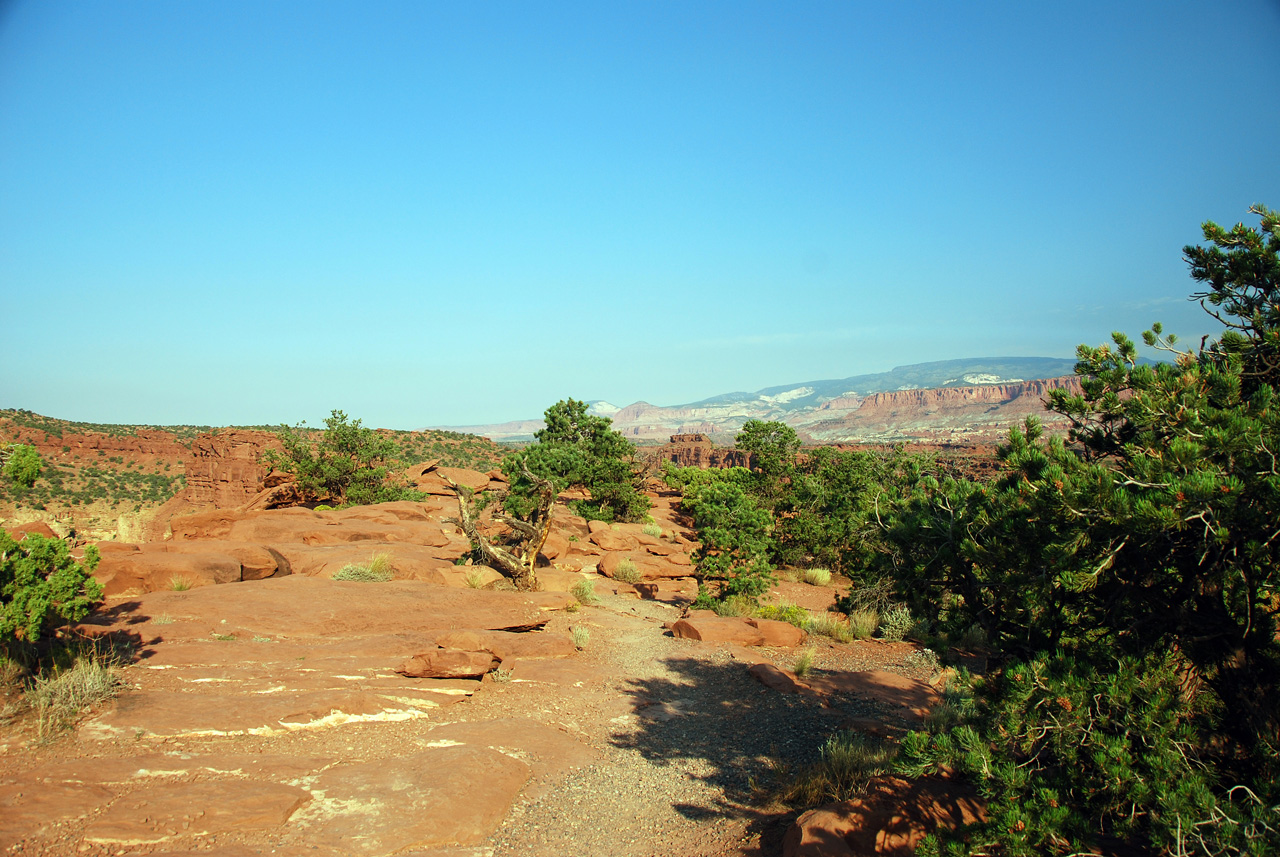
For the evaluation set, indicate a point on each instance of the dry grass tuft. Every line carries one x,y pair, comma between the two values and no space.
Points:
848,761
585,592
816,576
863,623
803,664
58,700
627,572
831,626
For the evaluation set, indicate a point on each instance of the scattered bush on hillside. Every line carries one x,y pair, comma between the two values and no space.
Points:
627,572
58,699
816,576
847,762
585,592
22,465
863,624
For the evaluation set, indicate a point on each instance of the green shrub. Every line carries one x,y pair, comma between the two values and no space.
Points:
347,465
475,579
735,605
41,586
577,449
581,636
895,623
790,613
23,465
180,583
378,570
651,530
1070,758
734,534
923,659
627,572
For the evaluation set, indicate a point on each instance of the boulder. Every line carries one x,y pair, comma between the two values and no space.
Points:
256,562
718,629
611,540
473,479
890,820
154,569
449,663
608,564
780,634
37,528
557,580
777,679
466,575
408,561
506,645
556,545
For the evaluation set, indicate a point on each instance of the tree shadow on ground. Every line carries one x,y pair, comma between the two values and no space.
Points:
730,732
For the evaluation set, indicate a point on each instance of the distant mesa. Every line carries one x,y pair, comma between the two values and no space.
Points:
970,400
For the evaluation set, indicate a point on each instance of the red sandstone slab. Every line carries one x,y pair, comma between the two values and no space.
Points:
29,805
159,813
441,796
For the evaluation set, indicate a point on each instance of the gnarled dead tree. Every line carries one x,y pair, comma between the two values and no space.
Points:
516,556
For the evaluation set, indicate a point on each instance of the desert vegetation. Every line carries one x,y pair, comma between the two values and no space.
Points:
1123,579
574,450
347,465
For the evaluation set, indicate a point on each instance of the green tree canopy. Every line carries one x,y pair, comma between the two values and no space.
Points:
1139,560
347,465
578,449
773,447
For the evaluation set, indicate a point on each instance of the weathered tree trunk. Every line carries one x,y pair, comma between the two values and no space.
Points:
517,562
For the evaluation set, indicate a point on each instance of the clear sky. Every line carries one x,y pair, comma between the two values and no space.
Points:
432,213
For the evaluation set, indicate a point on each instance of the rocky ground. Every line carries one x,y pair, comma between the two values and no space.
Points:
299,715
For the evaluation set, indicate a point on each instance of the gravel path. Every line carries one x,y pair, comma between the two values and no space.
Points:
687,747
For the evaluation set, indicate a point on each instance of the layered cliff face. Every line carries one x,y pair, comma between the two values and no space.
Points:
225,470
148,443
970,412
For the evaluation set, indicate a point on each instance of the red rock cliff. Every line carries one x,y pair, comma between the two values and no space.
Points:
224,468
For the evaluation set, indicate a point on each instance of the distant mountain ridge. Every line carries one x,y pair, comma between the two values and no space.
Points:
828,410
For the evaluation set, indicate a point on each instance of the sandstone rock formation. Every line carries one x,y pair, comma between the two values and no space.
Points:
225,469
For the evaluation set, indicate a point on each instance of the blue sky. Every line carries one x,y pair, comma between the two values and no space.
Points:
429,213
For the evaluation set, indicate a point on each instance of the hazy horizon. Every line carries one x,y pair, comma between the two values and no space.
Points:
236,213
